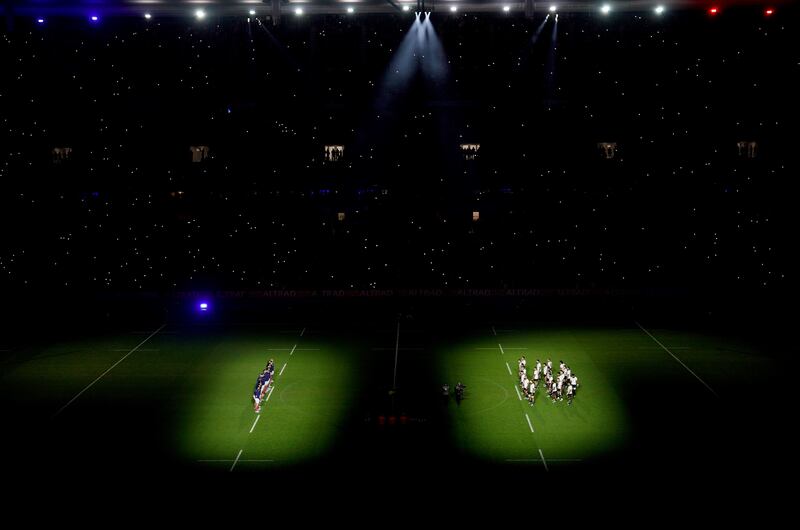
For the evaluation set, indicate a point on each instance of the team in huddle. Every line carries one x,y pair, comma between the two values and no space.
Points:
263,384
564,384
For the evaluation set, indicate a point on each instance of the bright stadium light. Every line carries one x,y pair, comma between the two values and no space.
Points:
94,18
606,9
453,9
406,8
768,12
40,21
298,11
200,14
351,10
713,11
553,8
659,10
506,8
147,16
252,12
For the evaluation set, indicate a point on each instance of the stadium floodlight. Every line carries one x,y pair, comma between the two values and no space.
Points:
351,10
298,11
768,12
200,14
40,21
252,12
659,10
713,11
406,8
94,18
553,8
606,9
506,8
147,16
453,9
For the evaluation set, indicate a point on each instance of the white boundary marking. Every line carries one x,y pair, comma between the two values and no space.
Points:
237,459
518,394
303,332
293,349
529,422
506,348
543,460
509,369
676,358
501,348
254,423
90,385
270,394
282,369
494,331
539,460
240,460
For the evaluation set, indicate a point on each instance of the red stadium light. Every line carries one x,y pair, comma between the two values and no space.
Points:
713,11
769,11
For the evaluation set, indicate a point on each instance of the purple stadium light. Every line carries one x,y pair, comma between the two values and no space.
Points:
40,21
203,306
94,18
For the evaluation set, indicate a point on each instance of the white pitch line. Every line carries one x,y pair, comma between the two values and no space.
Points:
240,460
509,369
504,348
676,358
79,394
270,394
501,348
282,369
543,460
539,460
529,422
237,459
254,423
293,349
494,331
518,394
303,332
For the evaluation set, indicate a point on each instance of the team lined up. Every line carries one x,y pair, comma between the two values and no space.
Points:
558,386
263,384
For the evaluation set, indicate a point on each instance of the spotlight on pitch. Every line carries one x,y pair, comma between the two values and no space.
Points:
200,14
659,10
298,11
605,9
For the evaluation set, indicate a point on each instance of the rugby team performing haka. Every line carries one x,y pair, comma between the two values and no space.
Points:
263,384
564,384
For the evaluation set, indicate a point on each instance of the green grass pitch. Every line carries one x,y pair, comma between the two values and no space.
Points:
184,394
